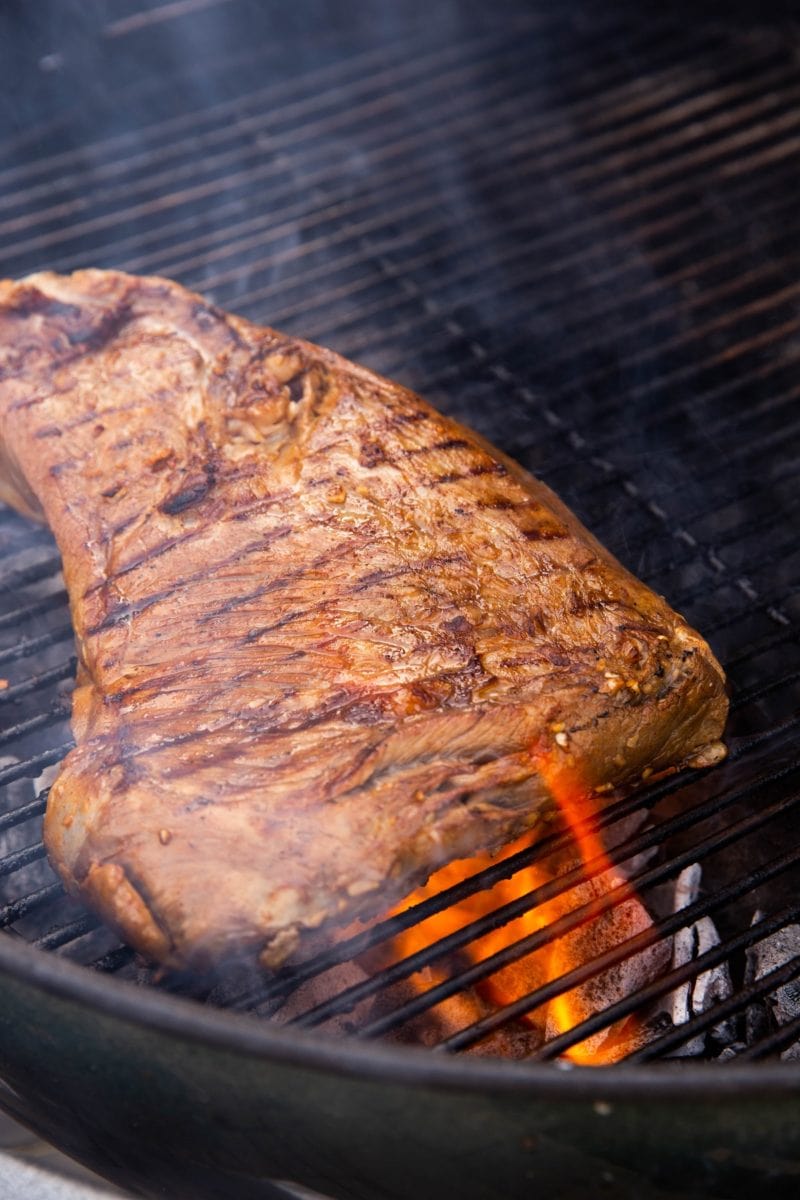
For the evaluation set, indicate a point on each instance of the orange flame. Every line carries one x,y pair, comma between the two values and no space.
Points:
578,807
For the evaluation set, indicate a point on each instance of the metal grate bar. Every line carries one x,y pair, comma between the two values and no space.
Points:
639,109
197,191
21,858
32,766
745,137
37,571
25,812
40,721
787,1035
115,960
17,909
31,646
42,679
544,243
36,608
666,248
518,285
409,187
341,74
288,979
239,136
579,975
731,538
775,550
759,691
672,980
560,886
262,174
67,933
762,645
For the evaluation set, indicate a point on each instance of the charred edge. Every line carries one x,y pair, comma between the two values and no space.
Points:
30,301
190,495
90,338
372,454
295,386
207,316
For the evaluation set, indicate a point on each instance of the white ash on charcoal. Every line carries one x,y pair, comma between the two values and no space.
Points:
780,1007
697,996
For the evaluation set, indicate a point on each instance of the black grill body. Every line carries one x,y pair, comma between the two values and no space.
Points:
575,229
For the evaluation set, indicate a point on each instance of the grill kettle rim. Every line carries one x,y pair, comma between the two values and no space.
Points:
241,1033
165,1097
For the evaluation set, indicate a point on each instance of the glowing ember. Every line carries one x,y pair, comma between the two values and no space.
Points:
533,970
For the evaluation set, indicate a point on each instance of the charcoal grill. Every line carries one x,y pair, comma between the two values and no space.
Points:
574,228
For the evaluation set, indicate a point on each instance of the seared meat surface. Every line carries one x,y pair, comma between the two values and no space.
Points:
327,637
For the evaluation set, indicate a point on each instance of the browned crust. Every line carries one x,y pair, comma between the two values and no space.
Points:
326,634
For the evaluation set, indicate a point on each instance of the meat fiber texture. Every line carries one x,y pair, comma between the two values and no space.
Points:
326,636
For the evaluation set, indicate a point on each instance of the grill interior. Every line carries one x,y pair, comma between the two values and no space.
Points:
575,230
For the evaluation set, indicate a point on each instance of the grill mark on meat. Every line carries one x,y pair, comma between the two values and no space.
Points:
407,417
501,504
276,585
373,454
264,724
250,725
124,612
434,447
289,618
97,414
488,468
581,605
121,526
380,576
545,535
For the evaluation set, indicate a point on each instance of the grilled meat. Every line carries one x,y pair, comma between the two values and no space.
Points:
327,637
